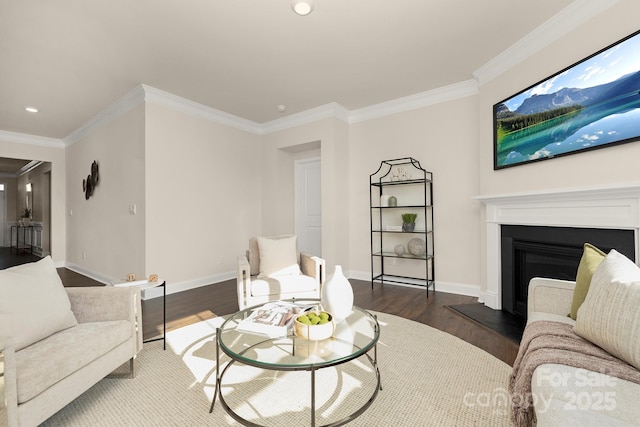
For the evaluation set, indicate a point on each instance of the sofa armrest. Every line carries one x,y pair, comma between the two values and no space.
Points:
8,384
244,281
312,266
550,296
98,304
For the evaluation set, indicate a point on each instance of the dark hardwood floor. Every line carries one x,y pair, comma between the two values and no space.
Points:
10,257
220,299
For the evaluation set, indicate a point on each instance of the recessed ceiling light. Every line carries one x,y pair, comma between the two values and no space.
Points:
31,109
302,7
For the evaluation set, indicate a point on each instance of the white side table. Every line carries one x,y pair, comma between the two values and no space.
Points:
145,284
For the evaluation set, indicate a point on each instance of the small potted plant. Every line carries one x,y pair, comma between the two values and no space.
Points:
409,221
26,216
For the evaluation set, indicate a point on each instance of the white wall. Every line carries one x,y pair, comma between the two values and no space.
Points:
202,196
55,155
443,139
278,154
610,165
101,227
205,188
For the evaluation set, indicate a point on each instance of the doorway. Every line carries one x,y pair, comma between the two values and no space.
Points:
308,206
27,189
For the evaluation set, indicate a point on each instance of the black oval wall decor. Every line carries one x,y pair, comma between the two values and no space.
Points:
89,184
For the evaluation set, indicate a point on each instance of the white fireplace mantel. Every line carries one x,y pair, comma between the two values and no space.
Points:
612,206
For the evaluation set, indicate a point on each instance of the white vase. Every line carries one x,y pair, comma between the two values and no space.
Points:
337,295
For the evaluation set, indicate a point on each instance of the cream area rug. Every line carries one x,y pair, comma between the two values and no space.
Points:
429,378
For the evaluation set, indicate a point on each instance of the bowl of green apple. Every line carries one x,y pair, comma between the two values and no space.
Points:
314,325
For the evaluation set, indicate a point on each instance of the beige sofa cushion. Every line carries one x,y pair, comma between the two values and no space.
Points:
568,396
48,361
591,259
610,314
34,304
278,256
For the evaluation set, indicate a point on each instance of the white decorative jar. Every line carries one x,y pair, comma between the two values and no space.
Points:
337,295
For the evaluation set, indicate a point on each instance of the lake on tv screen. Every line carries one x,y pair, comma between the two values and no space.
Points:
592,127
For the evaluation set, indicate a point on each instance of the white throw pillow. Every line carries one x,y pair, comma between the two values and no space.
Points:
278,256
33,303
610,314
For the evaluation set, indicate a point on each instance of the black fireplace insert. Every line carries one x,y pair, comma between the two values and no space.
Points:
553,252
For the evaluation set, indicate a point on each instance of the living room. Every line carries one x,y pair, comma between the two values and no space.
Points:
183,186
190,224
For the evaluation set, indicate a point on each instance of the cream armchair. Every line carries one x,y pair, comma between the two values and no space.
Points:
256,285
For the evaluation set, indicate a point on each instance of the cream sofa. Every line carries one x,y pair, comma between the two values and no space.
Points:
43,376
567,396
262,277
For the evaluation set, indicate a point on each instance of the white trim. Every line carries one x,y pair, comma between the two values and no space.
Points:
113,111
447,287
171,288
174,288
568,19
23,138
73,267
418,100
574,15
331,110
615,206
184,105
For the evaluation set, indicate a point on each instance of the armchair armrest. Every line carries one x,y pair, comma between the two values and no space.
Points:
98,303
244,280
550,296
8,385
312,266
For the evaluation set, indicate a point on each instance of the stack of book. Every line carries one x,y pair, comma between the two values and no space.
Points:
274,319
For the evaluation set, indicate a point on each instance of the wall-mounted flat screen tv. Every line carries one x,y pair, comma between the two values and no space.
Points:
592,104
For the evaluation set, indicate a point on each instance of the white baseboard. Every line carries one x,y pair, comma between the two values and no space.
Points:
448,287
171,288
490,299
84,272
174,288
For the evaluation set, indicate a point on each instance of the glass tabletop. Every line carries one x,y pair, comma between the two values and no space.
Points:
353,336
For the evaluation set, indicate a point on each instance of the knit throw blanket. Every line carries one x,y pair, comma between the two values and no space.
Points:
554,342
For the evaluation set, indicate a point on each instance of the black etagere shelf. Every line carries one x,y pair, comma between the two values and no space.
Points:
397,254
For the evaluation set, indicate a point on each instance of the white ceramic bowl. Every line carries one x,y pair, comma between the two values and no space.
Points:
314,332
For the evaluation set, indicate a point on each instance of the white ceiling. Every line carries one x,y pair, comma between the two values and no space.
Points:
73,58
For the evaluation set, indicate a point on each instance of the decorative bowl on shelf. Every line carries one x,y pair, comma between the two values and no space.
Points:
314,326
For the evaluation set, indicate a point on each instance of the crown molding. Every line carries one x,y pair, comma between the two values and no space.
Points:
565,21
118,108
571,17
177,103
331,110
418,100
23,138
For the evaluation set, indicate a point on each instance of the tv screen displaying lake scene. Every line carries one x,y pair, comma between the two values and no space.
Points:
592,104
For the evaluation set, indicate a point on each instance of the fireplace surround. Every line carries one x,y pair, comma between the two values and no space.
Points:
603,207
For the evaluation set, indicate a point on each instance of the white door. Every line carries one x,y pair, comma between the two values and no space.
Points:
308,206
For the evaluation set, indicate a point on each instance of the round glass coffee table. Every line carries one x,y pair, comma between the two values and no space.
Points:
354,336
